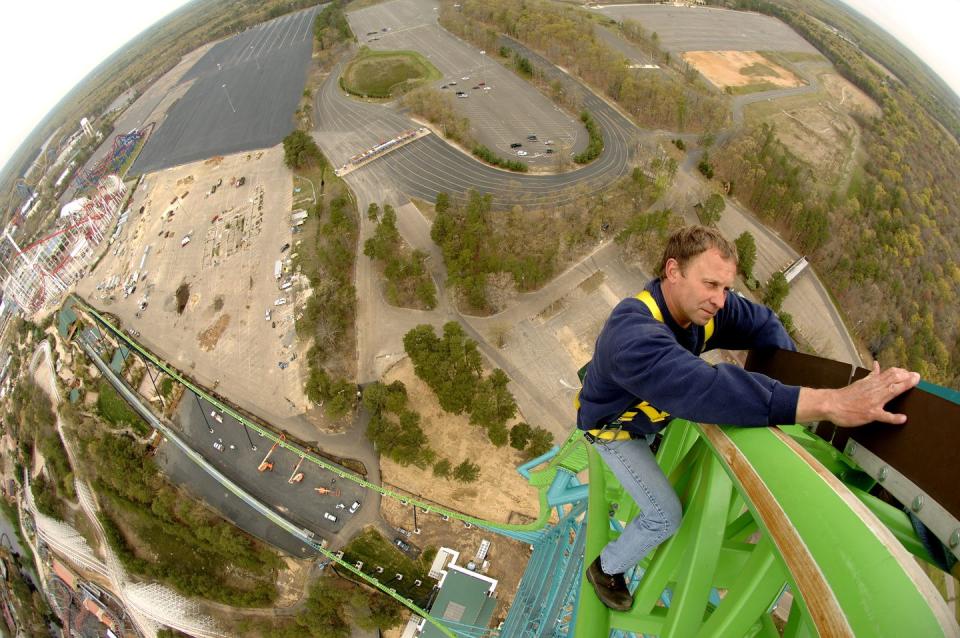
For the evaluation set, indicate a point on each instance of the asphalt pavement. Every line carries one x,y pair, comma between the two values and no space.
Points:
711,29
244,92
237,455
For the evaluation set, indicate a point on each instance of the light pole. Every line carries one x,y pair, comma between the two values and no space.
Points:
483,55
228,98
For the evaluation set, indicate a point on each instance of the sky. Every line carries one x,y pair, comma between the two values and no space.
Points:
47,47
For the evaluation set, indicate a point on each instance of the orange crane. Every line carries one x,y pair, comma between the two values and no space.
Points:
295,476
326,490
266,465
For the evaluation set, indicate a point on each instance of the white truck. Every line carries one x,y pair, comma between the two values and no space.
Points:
297,215
278,269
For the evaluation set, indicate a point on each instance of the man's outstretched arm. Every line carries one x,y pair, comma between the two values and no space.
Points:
859,403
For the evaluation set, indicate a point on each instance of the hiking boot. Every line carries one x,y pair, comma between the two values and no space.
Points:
611,590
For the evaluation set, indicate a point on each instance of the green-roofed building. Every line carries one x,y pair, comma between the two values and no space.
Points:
465,598
65,318
119,358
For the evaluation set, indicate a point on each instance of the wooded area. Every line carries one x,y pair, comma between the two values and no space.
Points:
407,280
326,259
527,247
160,532
889,247
453,368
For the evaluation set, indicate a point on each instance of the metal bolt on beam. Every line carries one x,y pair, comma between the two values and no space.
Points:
917,504
882,475
955,538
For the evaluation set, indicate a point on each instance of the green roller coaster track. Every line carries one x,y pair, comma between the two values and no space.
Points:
769,514
535,525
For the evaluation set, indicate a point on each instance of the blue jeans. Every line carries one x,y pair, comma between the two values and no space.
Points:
634,465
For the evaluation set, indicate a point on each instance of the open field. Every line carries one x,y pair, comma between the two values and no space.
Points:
216,330
740,69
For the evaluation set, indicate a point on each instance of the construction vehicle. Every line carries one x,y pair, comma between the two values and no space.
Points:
295,476
266,465
323,491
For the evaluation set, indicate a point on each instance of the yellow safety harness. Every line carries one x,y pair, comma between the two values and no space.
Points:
655,415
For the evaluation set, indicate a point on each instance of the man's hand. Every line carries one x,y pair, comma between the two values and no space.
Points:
859,403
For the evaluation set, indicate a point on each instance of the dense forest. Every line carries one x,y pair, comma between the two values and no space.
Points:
891,250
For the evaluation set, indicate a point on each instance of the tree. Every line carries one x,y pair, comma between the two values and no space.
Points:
299,150
499,435
466,472
373,211
442,468
376,611
777,290
746,254
711,209
705,167
443,203
520,435
540,442
322,614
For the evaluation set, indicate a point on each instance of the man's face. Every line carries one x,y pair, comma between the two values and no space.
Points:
699,291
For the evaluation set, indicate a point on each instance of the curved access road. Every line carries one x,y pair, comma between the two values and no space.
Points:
431,165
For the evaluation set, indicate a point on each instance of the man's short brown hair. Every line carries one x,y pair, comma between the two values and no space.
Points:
690,241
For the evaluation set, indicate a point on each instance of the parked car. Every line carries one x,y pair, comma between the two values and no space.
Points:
522,153
280,301
284,247
282,365
217,416
402,545
532,137
476,88
330,517
464,95
444,86
355,507
341,506
482,83
217,445
516,145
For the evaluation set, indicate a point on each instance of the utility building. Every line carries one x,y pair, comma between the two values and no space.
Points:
464,597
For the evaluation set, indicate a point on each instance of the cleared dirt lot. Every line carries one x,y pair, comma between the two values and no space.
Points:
740,69
225,275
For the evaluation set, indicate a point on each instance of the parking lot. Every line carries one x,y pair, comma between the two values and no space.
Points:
711,29
307,502
219,251
242,95
503,109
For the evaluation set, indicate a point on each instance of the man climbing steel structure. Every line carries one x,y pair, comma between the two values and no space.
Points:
647,369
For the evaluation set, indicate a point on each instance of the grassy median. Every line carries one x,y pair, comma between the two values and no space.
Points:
383,74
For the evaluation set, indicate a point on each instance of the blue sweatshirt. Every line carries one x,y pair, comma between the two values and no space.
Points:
638,357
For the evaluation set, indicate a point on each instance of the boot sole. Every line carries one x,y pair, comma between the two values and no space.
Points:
610,605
